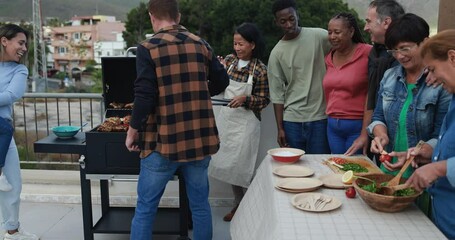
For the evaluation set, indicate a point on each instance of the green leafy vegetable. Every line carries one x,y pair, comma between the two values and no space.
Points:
405,192
355,167
370,187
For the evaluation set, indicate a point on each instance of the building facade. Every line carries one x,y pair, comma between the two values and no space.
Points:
86,39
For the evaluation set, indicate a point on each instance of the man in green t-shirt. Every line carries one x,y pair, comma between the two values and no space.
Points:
296,69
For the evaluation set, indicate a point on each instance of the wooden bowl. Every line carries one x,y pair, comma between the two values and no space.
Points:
382,203
286,155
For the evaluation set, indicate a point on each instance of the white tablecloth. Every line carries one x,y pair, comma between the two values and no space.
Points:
267,213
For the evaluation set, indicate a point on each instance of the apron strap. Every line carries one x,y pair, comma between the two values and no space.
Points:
250,76
230,68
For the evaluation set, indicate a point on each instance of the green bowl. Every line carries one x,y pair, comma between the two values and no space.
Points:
65,131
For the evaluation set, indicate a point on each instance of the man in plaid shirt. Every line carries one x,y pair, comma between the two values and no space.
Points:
177,73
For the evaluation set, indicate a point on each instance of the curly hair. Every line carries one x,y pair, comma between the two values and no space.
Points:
279,5
350,21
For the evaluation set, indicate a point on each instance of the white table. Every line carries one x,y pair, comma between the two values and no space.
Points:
267,213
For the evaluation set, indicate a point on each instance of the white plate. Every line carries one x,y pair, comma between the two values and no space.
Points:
289,190
293,171
332,181
305,202
299,184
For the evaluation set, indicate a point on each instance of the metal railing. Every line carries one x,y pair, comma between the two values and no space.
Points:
37,113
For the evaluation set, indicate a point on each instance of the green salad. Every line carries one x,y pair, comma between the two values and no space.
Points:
355,167
372,187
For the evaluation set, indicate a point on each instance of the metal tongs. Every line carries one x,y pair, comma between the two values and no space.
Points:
220,102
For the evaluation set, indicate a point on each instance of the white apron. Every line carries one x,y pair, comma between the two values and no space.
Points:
239,131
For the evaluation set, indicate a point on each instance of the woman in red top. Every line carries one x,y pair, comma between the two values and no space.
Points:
345,83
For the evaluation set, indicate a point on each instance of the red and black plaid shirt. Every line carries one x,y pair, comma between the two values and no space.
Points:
172,95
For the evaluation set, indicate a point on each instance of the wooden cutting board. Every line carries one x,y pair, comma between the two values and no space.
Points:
362,161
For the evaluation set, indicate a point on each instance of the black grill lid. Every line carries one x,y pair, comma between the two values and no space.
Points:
119,74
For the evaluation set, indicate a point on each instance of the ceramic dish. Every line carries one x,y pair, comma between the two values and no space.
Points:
66,132
290,191
286,155
299,184
332,181
315,202
293,171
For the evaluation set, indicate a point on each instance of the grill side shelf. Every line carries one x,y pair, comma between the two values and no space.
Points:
53,144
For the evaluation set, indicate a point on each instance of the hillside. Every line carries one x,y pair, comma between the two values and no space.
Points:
65,9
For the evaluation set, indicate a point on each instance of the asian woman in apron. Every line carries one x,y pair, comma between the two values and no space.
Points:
239,122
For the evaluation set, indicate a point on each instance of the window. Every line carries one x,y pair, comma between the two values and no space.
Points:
118,52
86,36
62,50
76,35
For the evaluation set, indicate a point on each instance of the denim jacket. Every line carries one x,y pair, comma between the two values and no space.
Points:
443,189
425,113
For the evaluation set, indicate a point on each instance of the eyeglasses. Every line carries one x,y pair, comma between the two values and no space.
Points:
403,50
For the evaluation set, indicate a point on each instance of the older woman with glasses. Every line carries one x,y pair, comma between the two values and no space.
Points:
407,109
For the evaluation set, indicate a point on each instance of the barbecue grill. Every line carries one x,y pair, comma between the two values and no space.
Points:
108,148
104,157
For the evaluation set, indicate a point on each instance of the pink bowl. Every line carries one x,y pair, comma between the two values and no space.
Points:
286,155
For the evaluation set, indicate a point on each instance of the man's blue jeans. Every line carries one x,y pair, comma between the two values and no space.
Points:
308,136
6,133
342,133
155,173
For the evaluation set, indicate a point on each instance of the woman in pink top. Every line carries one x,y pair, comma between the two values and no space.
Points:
345,83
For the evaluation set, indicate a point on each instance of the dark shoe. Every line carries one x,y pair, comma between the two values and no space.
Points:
228,217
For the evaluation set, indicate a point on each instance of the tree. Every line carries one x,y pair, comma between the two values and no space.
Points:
54,22
137,25
98,82
90,65
194,15
215,20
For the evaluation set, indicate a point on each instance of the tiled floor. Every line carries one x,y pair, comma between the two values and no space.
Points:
53,221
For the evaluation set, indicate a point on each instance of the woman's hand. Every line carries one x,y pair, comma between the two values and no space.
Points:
422,157
237,101
360,143
222,61
378,143
425,176
401,159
